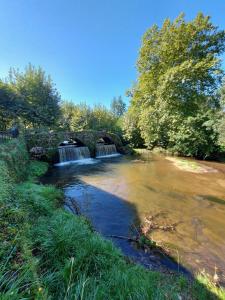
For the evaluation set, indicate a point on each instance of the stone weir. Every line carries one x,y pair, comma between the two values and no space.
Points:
46,143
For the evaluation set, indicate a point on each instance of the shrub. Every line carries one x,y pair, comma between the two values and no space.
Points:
15,155
37,169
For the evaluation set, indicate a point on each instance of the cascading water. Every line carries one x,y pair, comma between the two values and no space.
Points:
106,150
72,152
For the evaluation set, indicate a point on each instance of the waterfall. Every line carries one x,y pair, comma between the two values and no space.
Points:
72,152
106,150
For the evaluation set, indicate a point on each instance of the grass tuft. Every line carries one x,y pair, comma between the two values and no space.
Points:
49,253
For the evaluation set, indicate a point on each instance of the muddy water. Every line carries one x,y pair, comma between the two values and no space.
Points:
114,193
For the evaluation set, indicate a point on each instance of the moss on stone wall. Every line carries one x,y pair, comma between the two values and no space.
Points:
50,141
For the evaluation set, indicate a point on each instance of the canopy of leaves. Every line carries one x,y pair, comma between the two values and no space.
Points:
77,117
220,128
179,73
131,130
11,106
39,100
118,106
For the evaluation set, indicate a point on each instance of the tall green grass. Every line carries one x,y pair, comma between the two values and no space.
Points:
48,253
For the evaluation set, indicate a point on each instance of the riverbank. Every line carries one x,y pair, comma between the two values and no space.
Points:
182,163
50,253
190,165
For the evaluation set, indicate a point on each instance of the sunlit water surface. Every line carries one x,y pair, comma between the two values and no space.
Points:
116,192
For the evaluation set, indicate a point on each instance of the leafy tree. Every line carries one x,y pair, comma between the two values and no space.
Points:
131,131
39,92
220,126
13,108
102,119
179,73
118,106
8,106
75,117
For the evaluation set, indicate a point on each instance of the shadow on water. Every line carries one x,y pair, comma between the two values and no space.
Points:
110,215
211,199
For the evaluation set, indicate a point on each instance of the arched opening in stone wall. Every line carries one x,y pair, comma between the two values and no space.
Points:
105,146
72,142
72,149
105,141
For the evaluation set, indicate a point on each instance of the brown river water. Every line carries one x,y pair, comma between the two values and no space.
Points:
116,192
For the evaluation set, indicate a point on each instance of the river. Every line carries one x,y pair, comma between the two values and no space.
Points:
115,193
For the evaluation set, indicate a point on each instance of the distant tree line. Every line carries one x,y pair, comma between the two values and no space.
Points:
31,99
81,116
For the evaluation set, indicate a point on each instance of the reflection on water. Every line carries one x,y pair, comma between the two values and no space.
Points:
116,192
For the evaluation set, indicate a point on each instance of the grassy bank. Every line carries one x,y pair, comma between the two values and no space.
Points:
48,253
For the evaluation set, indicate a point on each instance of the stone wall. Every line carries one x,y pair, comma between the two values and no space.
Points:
50,141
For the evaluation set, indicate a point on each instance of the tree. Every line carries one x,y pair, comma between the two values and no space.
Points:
131,131
75,117
103,119
13,108
39,92
220,125
179,73
118,106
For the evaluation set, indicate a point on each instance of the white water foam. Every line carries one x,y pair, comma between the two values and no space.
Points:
86,161
109,155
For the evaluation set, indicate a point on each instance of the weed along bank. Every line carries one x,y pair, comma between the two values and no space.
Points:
43,241
112,187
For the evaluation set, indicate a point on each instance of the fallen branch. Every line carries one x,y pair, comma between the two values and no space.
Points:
149,225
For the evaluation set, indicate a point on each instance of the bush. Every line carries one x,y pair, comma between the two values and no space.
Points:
10,213
37,169
196,137
6,184
15,155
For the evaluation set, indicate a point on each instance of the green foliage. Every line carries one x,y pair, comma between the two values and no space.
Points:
29,98
12,106
6,184
222,94
20,205
11,219
190,141
9,213
75,117
220,128
15,155
38,200
176,92
103,119
79,262
37,168
48,253
118,107
38,90
20,284
131,130
78,117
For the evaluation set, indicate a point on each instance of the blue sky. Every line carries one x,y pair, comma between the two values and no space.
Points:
89,47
